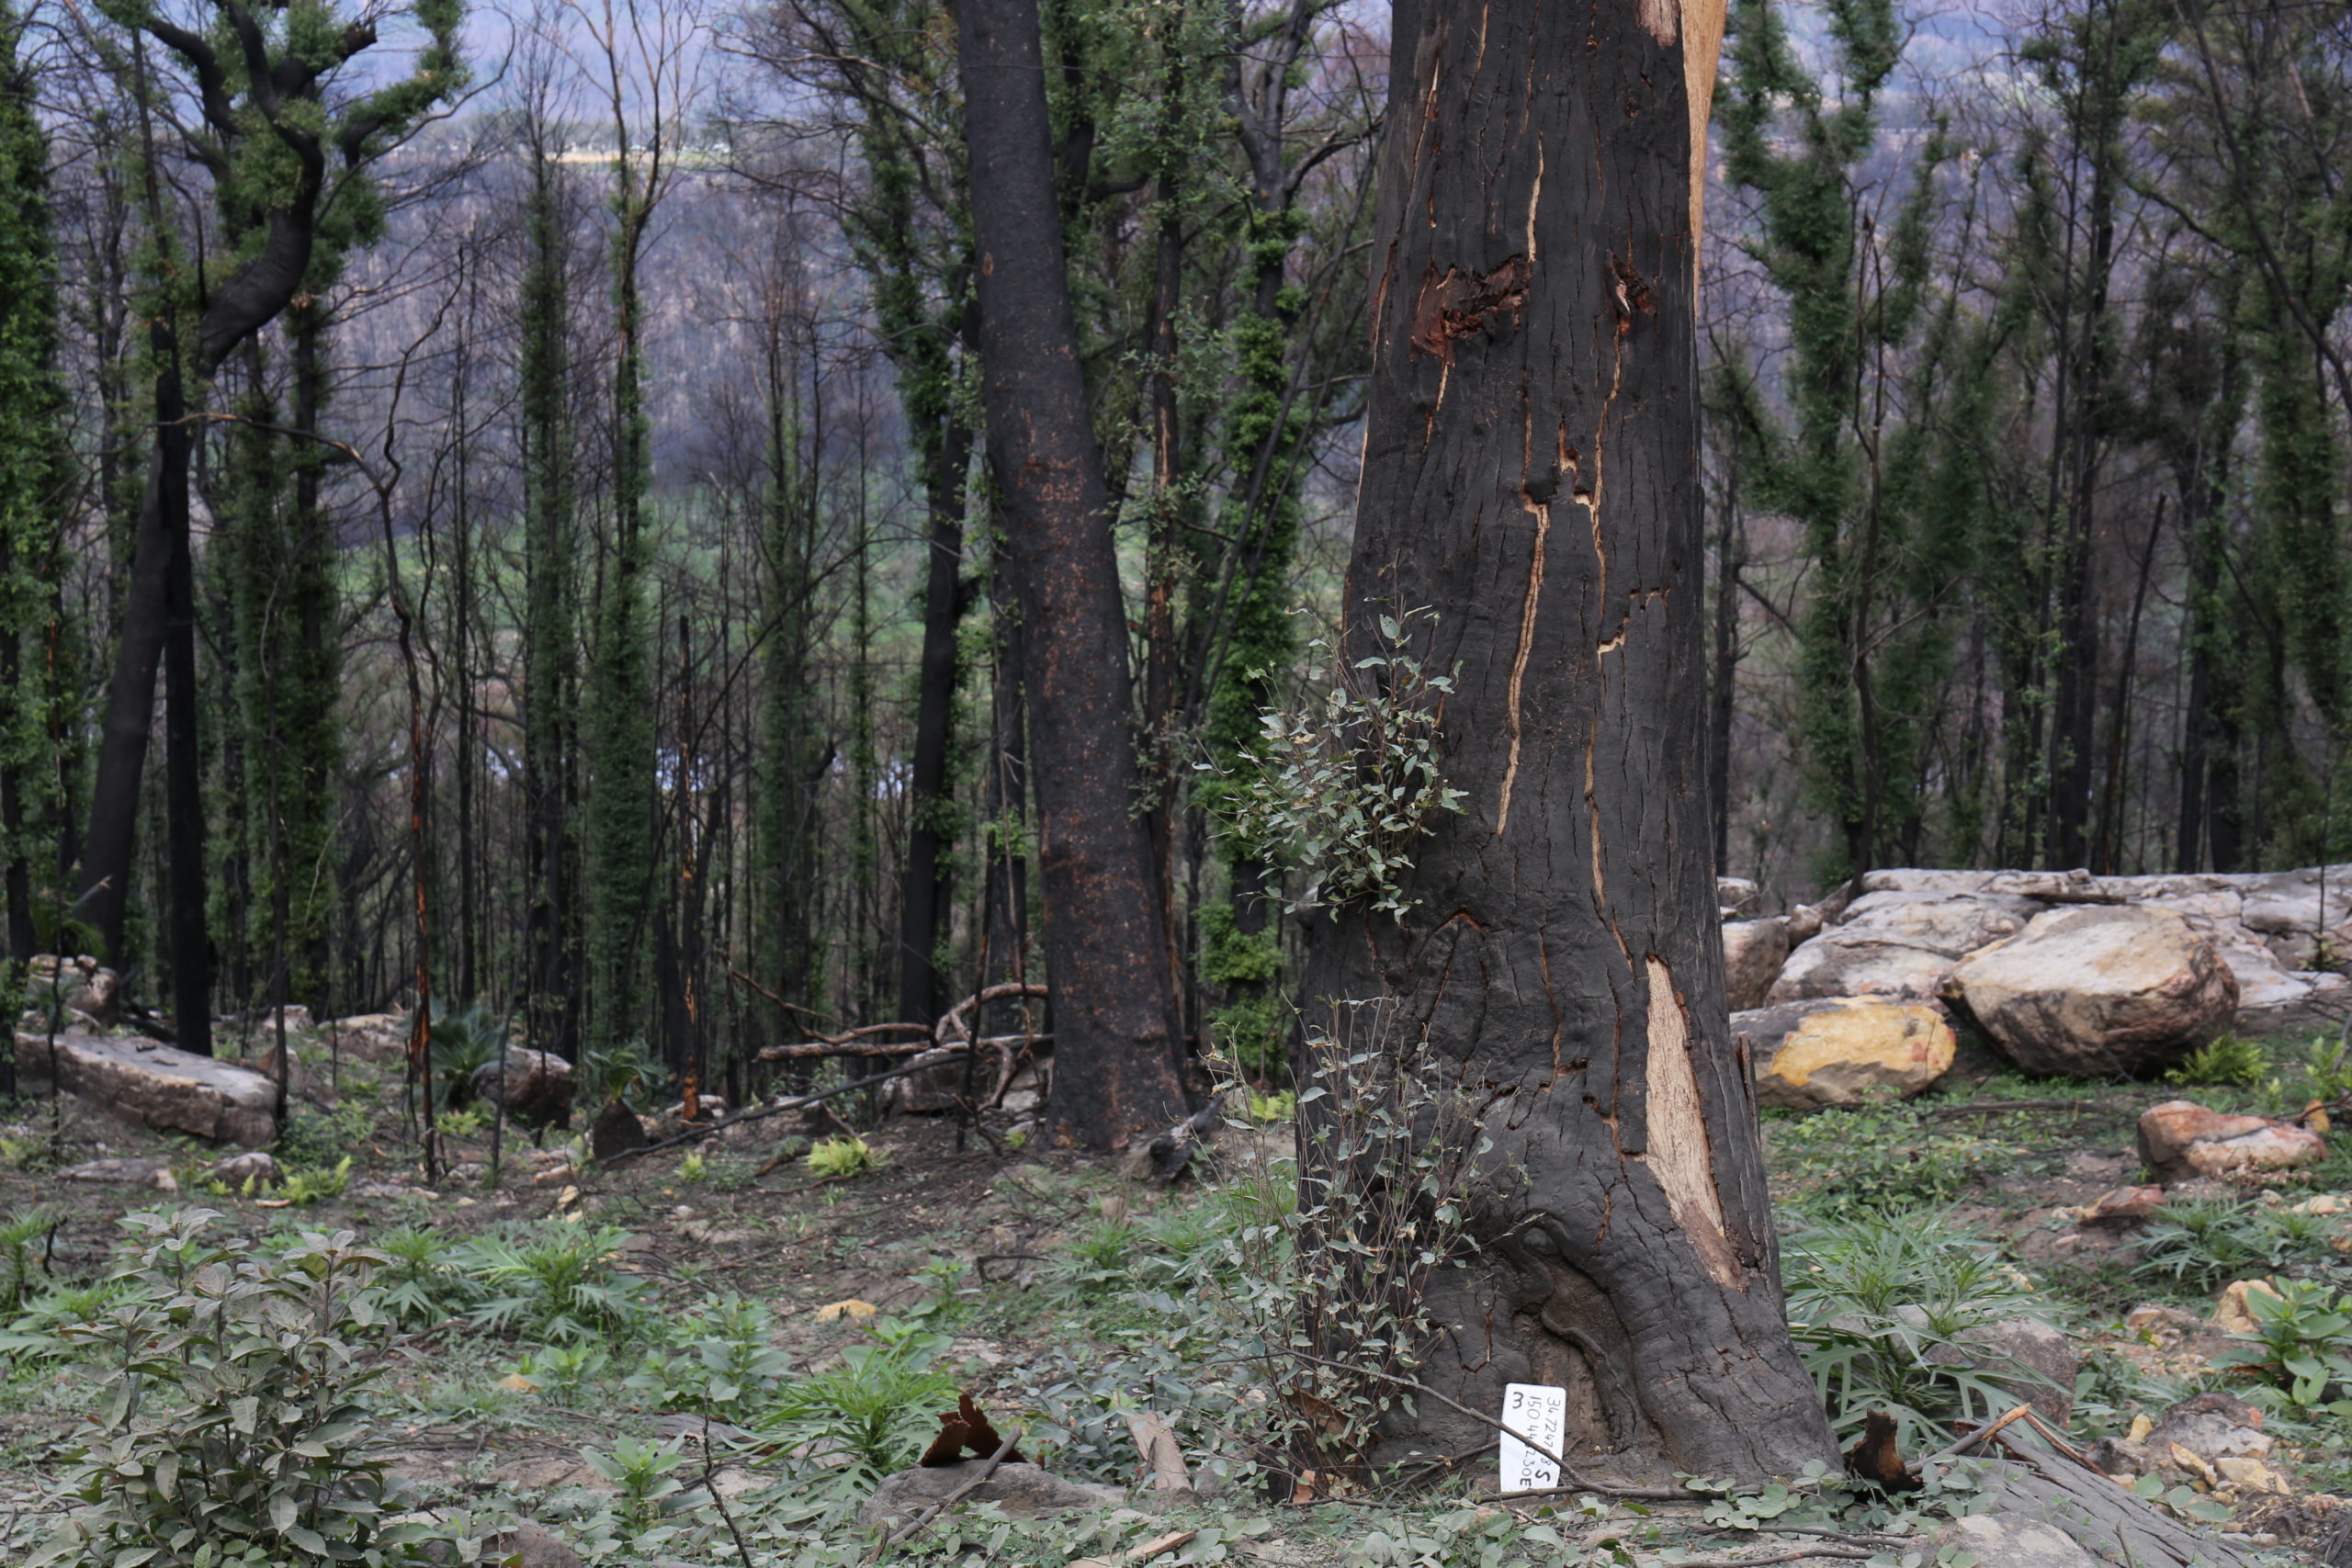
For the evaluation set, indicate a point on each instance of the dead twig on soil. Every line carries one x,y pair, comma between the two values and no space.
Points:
1980,1434
1801,1554
761,1113
710,1484
1156,1547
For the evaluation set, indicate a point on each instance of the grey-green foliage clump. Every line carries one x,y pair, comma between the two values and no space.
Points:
1339,788
235,1435
1883,1309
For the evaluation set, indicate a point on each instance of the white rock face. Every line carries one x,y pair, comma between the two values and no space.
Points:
1901,931
1754,951
2098,991
371,1037
1895,943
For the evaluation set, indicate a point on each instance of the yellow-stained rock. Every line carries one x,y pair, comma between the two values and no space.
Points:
1845,1050
2250,1474
852,1309
2231,1313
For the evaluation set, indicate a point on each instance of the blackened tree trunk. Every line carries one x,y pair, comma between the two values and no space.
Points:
1117,1067
191,947
1731,553
1531,471
926,891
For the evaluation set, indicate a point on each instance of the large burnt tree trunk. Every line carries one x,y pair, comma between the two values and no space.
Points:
928,888
1117,1065
1531,471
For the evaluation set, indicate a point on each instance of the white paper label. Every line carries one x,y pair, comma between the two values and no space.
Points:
1539,1414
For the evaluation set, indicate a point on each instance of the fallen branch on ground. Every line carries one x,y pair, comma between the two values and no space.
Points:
822,1047
1801,1554
1981,1433
761,1112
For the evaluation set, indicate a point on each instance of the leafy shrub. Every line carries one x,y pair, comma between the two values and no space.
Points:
19,1262
313,1137
627,1072
464,1040
1874,1160
420,1281
1095,1266
234,1432
721,1360
31,1154
563,1372
467,1122
1329,1257
1881,1308
876,1406
38,1330
2329,1068
554,1282
2302,1342
2228,1062
649,1491
838,1159
300,1184
2202,1244
1339,790
1279,1106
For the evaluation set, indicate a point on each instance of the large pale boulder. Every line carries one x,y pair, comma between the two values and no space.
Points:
371,1037
1997,1542
535,1086
158,1086
2181,1139
1845,1050
1897,944
2098,991
2275,1000
1753,954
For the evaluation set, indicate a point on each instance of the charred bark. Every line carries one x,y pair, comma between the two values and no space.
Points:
1117,1070
1530,470
926,894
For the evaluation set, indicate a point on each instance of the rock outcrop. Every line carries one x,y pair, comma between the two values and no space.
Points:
1901,932
1845,1050
1897,944
535,1086
2098,991
1754,951
2181,1139
158,1086
371,1036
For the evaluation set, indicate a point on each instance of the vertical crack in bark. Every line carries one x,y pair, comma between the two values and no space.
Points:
1550,996
1679,1152
1536,194
1519,659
